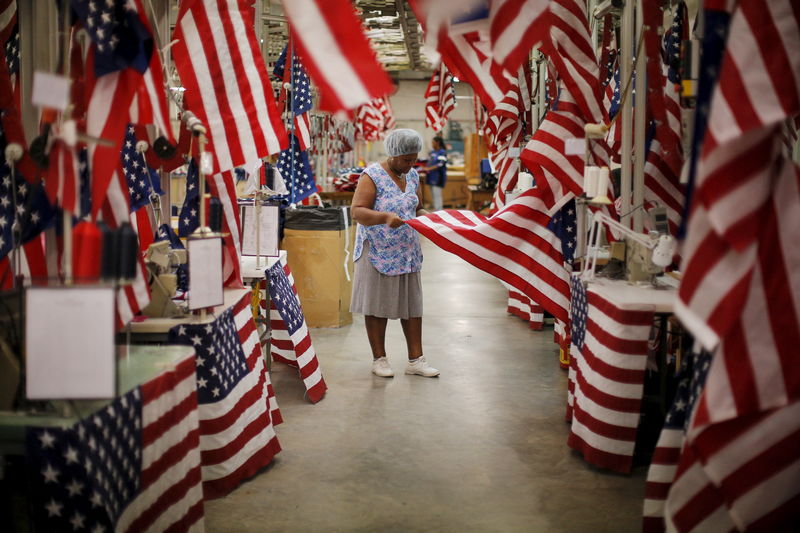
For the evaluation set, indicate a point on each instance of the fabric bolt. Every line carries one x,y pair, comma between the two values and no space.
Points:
394,251
377,294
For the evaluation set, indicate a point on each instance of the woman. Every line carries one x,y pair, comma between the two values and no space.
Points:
437,172
388,257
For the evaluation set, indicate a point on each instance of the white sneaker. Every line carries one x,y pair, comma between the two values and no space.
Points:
381,368
420,367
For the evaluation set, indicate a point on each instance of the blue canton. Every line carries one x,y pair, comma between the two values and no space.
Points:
220,359
189,218
579,310
563,225
295,168
12,51
301,100
86,475
286,301
142,180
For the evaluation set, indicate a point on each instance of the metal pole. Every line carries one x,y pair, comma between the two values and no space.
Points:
640,125
292,139
626,55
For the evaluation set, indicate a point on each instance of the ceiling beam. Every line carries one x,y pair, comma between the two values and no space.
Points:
411,48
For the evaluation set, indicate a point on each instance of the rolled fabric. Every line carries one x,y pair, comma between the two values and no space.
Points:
128,252
87,252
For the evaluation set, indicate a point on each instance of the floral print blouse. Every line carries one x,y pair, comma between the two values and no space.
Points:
393,251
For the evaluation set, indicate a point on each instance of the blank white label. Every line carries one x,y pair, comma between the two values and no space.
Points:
205,273
50,90
268,226
69,343
575,146
513,151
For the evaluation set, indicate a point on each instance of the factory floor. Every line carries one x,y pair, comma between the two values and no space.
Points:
481,448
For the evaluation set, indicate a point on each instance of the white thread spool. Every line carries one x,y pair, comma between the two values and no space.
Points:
590,178
524,181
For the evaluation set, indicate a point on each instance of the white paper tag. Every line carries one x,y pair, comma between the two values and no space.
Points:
50,90
207,163
575,146
205,273
513,151
268,231
69,340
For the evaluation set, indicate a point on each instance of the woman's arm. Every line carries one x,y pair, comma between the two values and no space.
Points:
363,203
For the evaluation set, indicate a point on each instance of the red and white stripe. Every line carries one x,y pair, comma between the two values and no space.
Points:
662,168
440,99
557,174
170,494
63,185
302,128
515,28
514,245
505,132
237,437
223,186
523,307
570,48
607,377
296,350
219,62
336,53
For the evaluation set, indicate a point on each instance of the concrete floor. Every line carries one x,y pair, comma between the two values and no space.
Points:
481,448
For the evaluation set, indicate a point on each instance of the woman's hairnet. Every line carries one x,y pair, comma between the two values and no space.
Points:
402,141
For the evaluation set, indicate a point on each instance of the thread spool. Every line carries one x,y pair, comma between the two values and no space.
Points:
109,266
215,214
128,252
269,176
524,181
601,197
86,258
595,131
590,179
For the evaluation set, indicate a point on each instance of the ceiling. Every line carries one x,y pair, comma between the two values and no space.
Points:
390,25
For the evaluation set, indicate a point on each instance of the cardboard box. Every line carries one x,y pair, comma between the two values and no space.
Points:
317,259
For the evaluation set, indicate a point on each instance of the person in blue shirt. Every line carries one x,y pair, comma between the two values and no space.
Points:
437,171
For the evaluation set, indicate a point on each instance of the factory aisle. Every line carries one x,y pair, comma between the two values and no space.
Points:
482,448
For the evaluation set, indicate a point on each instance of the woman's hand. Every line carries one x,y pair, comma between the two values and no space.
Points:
394,221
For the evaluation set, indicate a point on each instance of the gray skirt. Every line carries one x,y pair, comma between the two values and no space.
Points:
377,294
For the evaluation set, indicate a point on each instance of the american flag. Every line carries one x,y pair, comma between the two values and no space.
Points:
523,307
505,128
516,245
664,463
608,357
557,174
291,341
189,217
301,100
8,18
223,187
440,98
26,204
295,167
665,159
131,466
219,61
142,180
337,54
515,28
124,83
374,119
237,437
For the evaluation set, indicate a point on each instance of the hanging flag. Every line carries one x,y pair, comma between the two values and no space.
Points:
608,358
237,437
505,126
219,61
440,99
189,217
331,41
301,101
223,187
291,341
516,26
142,180
131,466
517,245
295,168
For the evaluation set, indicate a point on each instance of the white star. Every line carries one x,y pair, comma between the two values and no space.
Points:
53,508
77,521
215,392
46,439
196,340
98,529
71,455
50,474
209,328
201,383
200,361
181,331
75,488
